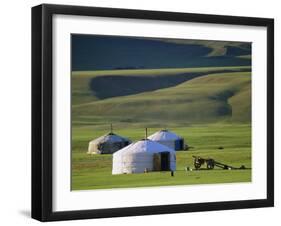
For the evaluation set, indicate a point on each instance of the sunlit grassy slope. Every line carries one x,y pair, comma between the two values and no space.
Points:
81,80
208,98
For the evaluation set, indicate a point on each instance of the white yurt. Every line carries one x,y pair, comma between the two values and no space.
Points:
144,155
107,144
169,139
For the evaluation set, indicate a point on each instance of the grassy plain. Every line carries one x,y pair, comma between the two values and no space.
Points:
209,111
94,171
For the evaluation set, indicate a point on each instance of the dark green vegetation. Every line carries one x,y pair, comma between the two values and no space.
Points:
217,48
209,107
94,52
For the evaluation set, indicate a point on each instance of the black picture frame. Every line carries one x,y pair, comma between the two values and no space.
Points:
42,111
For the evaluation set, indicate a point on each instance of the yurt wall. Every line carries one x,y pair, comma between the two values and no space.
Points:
107,144
139,157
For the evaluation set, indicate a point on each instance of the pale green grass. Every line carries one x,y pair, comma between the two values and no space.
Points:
94,171
245,57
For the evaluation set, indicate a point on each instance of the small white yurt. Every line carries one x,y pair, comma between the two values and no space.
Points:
107,144
144,155
169,139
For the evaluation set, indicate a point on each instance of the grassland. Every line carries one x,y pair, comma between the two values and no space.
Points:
81,80
209,110
94,171
210,98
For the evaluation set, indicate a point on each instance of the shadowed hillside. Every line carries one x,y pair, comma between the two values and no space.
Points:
103,52
217,48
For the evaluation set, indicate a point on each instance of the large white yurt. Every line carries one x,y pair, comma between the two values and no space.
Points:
107,144
169,139
144,155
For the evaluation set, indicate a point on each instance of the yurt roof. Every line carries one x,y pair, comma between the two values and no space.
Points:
164,135
111,138
145,145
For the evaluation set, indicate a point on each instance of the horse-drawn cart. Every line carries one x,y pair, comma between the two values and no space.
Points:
211,163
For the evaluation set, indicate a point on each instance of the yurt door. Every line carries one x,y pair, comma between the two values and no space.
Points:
179,144
161,161
157,162
165,161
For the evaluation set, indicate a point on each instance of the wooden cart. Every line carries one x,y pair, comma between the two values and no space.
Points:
211,163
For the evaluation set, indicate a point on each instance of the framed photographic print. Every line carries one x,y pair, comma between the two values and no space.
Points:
146,112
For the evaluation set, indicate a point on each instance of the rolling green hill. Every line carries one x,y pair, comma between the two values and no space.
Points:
204,98
89,86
